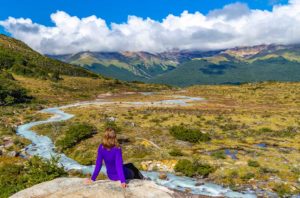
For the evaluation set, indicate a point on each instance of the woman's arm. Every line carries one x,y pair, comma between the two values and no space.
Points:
119,165
98,164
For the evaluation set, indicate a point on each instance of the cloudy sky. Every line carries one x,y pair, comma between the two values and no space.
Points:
185,25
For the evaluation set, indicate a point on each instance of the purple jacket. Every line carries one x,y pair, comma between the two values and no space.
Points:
113,161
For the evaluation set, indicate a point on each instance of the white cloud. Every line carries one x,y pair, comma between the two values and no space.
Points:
233,25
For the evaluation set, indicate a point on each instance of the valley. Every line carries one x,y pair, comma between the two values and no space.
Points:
252,137
207,139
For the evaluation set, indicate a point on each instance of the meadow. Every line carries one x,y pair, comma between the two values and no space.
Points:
244,136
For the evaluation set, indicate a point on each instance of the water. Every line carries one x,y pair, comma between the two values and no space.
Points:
232,154
262,145
43,146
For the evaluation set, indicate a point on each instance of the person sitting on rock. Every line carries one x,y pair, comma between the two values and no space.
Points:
110,151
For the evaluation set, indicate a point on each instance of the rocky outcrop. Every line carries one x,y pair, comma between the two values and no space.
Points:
76,188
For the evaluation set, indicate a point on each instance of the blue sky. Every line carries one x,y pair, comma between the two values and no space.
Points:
116,10
71,26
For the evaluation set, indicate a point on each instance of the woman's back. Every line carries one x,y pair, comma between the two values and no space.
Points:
109,157
113,161
110,152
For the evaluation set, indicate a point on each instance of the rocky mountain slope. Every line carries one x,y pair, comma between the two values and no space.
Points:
75,187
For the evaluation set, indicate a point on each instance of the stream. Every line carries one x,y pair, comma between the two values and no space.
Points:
43,146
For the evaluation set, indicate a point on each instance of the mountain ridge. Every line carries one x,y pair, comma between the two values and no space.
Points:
160,67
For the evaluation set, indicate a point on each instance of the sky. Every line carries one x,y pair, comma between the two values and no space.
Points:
70,26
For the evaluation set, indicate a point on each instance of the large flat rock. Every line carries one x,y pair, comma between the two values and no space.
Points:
75,188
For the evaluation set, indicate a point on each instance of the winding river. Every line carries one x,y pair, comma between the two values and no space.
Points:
43,146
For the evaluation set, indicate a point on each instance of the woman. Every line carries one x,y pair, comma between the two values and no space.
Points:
111,153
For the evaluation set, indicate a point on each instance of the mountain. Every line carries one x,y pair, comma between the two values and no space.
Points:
185,68
238,65
131,66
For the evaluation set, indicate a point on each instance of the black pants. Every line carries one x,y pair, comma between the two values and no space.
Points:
132,172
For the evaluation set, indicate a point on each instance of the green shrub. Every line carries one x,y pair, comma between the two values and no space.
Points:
186,134
191,169
218,155
175,152
75,134
230,126
253,163
11,93
248,176
6,75
264,170
186,167
203,169
265,130
283,190
16,176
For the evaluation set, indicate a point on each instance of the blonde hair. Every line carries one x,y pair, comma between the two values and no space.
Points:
110,139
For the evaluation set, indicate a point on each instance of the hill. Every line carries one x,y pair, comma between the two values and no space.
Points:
21,59
25,73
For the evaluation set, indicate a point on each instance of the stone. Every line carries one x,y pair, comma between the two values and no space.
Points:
75,187
163,176
7,138
111,119
12,154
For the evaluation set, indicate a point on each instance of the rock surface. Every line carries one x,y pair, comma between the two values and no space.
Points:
75,188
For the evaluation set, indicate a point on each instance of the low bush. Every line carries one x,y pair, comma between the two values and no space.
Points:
265,130
11,93
248,176
265,170
283,190
184,133
75,134
253,163
16,176
219,155
175,152
191,169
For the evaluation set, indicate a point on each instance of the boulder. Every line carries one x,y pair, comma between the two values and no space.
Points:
75,187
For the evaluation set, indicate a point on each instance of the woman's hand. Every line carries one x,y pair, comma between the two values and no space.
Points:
88,181
123,185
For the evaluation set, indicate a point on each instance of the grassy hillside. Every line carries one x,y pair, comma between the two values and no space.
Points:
20,59
231,72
